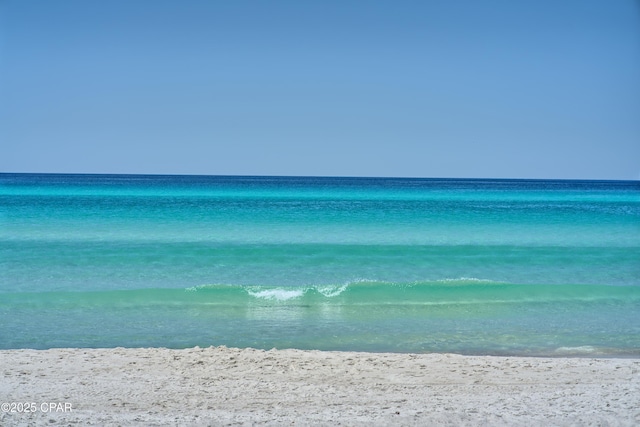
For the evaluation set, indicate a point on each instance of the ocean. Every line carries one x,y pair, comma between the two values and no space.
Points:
468,266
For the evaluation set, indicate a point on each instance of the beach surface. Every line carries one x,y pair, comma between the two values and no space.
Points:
228,386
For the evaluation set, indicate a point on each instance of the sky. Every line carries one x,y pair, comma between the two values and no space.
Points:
429,88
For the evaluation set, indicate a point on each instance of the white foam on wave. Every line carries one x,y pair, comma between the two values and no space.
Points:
276,294
330,291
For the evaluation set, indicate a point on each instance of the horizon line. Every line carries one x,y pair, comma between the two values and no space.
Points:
318,176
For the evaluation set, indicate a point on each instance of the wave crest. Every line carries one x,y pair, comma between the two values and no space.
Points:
278,294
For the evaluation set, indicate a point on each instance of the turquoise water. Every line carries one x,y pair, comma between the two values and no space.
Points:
407,265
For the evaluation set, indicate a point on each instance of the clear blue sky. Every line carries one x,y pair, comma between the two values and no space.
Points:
448,88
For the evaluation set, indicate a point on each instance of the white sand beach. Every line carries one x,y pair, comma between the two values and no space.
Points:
228,386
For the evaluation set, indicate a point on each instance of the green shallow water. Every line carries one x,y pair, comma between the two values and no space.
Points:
72,265
465,316
369,264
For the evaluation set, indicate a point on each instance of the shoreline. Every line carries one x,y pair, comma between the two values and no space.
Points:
224,386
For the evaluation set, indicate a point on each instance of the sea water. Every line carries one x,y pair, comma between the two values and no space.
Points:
500,267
